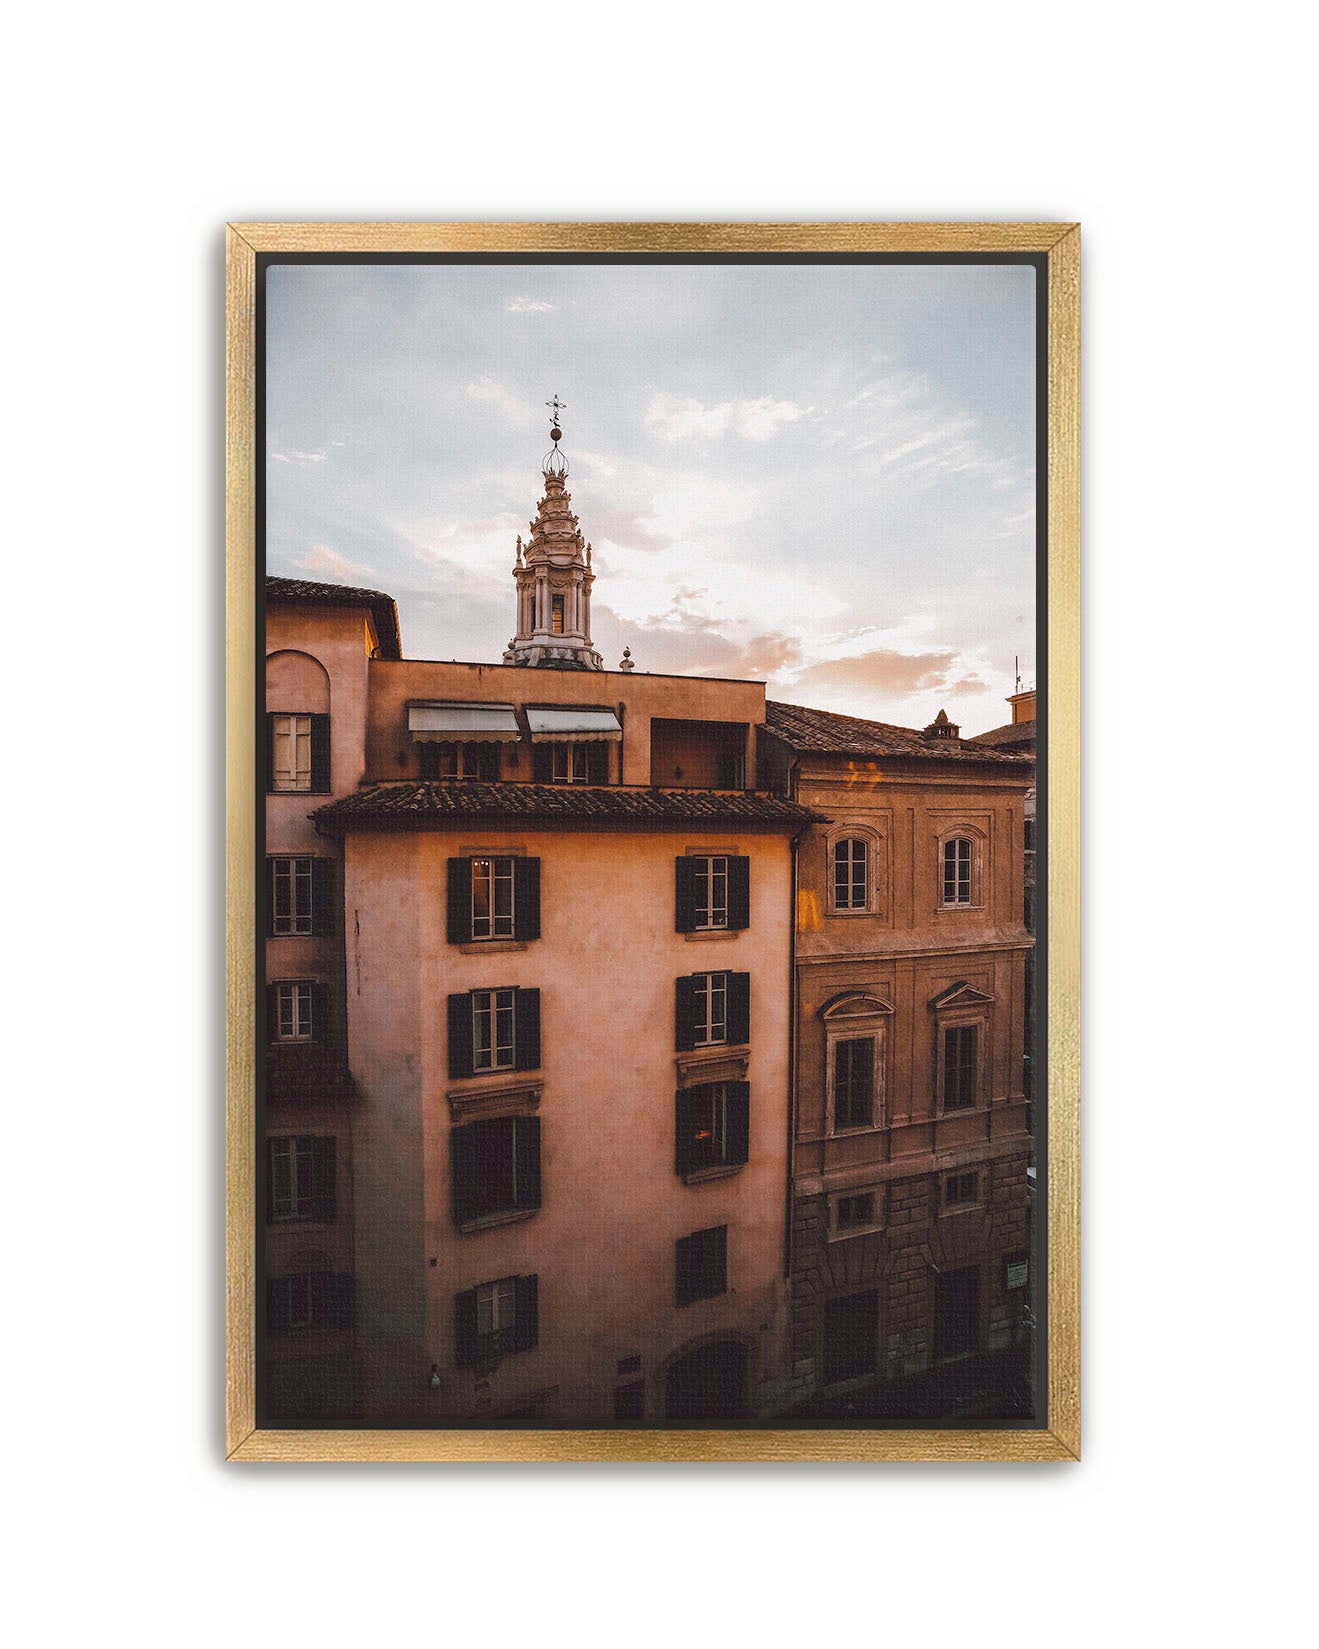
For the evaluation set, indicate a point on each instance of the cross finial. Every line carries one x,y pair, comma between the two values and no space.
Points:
556,406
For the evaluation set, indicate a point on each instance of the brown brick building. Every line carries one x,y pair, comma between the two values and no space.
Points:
910,1135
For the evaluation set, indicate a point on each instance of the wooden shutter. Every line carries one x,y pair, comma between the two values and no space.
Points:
739,1007
270,751
460,901
272,1013
320,754
684,1255
277,1307
464,1179
597,763
526,1145
739,891
715,1256
270,898
526,1313
339,1299
323,1177
739,1121
684,875
322,896
526,898
466,1347
460,1035
526,1030
684,1126
320,1015
542,763
487,762
684,1013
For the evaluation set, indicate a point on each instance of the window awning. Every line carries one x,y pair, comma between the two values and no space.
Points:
462,723
581,726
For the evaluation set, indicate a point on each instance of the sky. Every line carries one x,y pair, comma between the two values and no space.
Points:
821,476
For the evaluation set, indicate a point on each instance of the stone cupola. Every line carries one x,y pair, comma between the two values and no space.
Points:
553,577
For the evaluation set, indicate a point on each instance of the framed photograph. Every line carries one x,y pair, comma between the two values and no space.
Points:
653,828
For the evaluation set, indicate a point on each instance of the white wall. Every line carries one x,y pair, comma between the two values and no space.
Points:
1176,135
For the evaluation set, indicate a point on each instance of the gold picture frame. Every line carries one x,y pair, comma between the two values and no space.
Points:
1058,245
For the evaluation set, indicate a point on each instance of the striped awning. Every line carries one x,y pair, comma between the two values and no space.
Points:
596,725
462,723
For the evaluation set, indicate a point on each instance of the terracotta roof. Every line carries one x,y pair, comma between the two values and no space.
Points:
431,806
303,592
827,732
1017,734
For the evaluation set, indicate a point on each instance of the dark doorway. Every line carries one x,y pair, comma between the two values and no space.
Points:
708,1384
957,1312
851,1336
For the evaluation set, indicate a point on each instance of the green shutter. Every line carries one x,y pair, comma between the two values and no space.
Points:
322,896
323,1177
526,898
460,1035
683,1128
320,754
684,875
739,892
321,1031
739,1007
526,1030
463,1174
465,1344
526,1313
684,1013
526,1144
739,1121
460,901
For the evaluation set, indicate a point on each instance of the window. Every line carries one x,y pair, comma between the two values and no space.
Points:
854,1083
571,761
299,896
309,1300
712,1126
295,1018
556,615
630,1401
701,1265
458,761
959,1067
300,1182
712,1009
731,770
957,871
851,1336
855,1210
495,1319
494,1030
851,874
494,1167
713,892
568,763
297,752
495,897
961,1189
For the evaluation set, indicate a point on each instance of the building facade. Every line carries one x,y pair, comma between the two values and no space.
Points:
911,1144
637,1050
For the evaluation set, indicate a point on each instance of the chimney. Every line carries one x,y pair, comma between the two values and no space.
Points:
1023,706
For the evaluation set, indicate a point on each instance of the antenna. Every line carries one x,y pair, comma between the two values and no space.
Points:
1016,670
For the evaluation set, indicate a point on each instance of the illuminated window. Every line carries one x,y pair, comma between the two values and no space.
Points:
712,1126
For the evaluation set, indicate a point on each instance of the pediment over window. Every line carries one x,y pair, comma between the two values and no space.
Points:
961,995
854,1005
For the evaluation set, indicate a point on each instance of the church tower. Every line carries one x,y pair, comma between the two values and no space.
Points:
553,576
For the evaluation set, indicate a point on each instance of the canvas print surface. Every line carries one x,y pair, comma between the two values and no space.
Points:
648,875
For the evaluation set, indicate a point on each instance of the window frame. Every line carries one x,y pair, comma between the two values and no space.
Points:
518,923
962,830
961,1028
962,1198
470,1347
297,989
730,1119
317,771
859,1228
852,1017
317,1154
695,878
473,1202
873,842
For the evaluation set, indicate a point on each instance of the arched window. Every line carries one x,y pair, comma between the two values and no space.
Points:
957,862
851,874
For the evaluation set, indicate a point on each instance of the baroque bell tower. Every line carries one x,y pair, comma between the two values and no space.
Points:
553,576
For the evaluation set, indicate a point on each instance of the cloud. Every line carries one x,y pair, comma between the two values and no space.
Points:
883,671
303,458
675,419
528,306
486,389
322,559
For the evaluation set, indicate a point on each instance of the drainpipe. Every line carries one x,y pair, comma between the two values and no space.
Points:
792,1053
